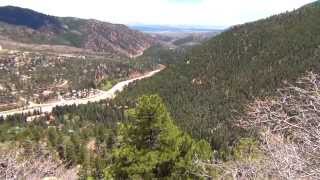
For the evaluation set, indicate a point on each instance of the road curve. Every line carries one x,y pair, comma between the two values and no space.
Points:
48,107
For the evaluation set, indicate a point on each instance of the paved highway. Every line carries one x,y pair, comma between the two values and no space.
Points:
99,96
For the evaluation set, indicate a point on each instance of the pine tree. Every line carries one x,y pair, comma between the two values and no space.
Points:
151,146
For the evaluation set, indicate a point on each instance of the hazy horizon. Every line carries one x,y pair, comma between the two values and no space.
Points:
201,13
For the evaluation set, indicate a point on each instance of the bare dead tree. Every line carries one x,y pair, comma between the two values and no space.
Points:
234,170
15,165
289,125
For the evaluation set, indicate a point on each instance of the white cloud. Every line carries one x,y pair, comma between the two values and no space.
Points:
205,12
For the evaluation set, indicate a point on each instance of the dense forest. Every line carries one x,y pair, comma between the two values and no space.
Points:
111,141
75,135
184,122
160,54
210,87
28,18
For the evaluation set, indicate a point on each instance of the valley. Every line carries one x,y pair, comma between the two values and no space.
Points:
94,96
41,77
87,99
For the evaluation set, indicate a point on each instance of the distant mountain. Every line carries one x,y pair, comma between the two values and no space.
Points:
211,86
28,26
173,29
191,39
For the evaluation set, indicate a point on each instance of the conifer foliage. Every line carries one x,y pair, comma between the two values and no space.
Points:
151,146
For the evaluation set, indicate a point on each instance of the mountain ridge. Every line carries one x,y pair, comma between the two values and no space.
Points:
212,85
28,26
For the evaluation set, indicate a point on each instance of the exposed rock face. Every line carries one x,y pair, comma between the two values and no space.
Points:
115,37
27,26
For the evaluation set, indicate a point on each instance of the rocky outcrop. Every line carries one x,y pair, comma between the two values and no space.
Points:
117,38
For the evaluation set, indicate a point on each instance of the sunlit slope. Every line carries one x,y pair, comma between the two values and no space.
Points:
217,79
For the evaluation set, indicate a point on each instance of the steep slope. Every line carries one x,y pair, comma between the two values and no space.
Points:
28,26
26,17
217,79
102,36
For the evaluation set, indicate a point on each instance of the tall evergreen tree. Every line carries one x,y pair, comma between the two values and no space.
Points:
151,146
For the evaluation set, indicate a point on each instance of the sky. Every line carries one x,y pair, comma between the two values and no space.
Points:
207,13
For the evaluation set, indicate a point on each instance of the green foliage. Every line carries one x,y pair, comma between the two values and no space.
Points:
150,142
151,146
70,38
207,89
107,84
69,134
161,55
247,149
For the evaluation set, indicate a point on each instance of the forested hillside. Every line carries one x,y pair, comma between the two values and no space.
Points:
106,141
210,87
243,105
31,27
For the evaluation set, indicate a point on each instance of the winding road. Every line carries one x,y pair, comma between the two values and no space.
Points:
48,107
